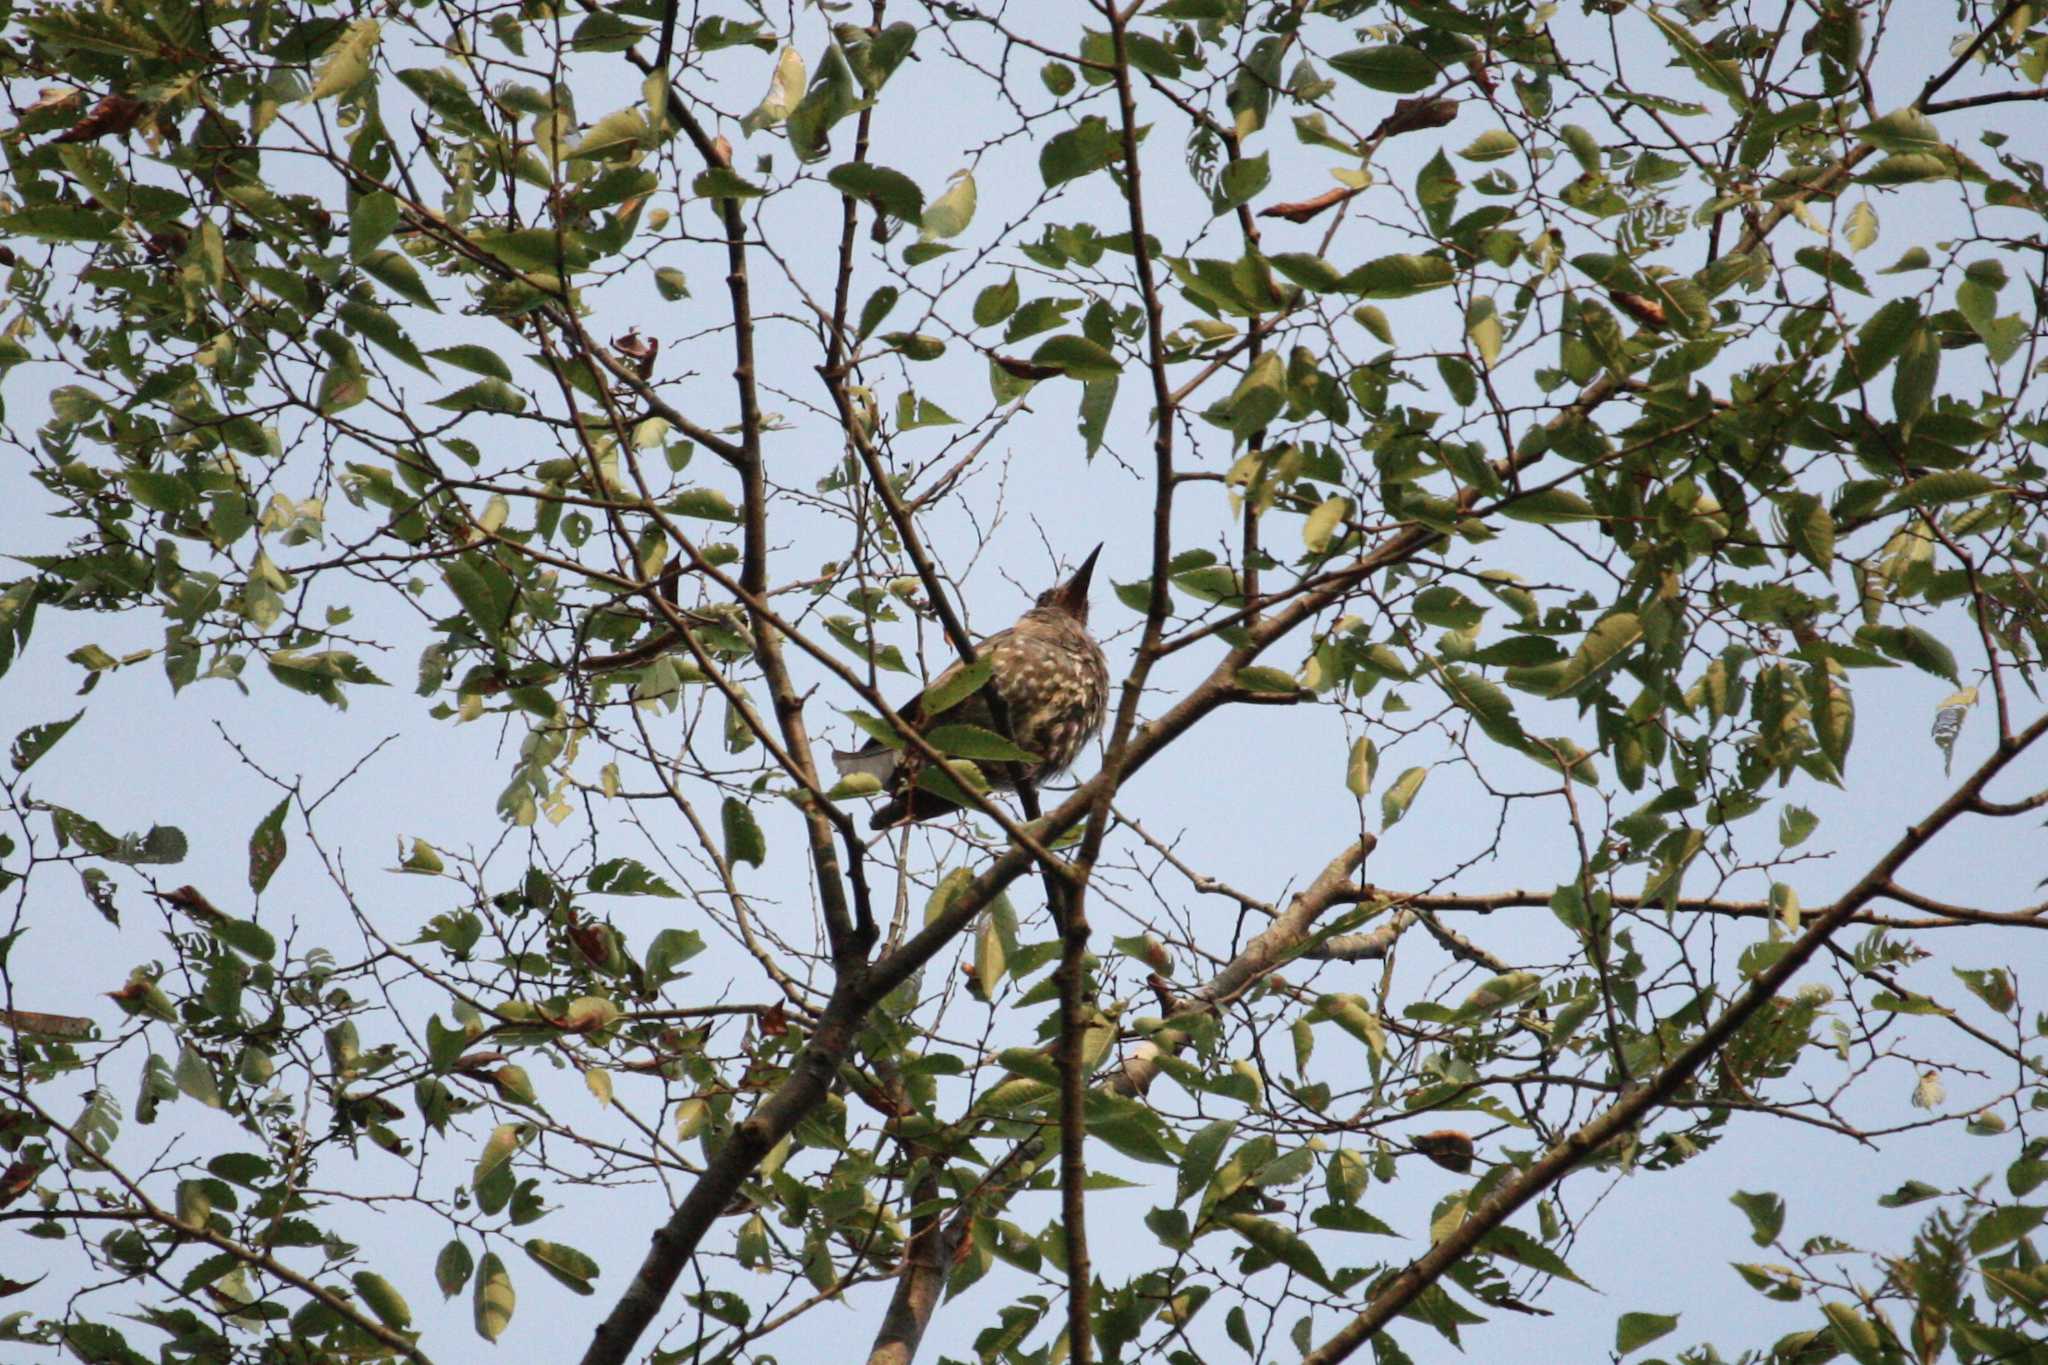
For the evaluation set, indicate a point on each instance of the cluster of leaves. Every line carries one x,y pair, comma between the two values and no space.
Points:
1630,476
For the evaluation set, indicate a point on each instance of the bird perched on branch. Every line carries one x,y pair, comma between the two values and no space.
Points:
1035,694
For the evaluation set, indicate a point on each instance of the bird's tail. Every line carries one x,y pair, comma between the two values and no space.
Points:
911,806
875,760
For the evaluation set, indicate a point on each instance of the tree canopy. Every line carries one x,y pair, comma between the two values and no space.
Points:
1574,516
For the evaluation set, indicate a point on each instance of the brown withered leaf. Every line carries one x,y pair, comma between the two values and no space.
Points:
192,902
1301,210
46,1025
1413,115
638,349
1026,369
17,1180
1448,1148
774,1021
1648,312
590,940
115,114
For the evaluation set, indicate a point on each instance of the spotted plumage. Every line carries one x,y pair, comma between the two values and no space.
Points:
1052,681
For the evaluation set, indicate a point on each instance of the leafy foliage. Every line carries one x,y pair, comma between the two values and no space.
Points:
1504,401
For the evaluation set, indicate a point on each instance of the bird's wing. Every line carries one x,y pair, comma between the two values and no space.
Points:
877,759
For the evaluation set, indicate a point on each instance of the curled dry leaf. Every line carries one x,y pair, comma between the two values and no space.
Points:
1648,312
1301,210
1026,369
1448,1148
1414,115
638,349
115,114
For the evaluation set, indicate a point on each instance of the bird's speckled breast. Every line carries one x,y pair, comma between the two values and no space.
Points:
1054,681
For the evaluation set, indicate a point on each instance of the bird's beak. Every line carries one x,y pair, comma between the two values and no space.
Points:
1074,593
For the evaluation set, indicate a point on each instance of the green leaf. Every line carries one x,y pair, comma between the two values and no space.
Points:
954,686
1260,678
832,97
1549,507
484,590
1323,521
1242,179
744,842
1718,74
1400,796
1913,645
1914,168
1913,386
32,743
245,937
1399,276
1361,767
1878,342
452,1268
1637,1330
996,302
1902,131
1258,398
785,88
1809,529
722,182
972,741
61,223
1513,1244
396,272
914,345
494,1298
1491,145
347,62
370,222
486,395
876,310
616,137
1766,1213
949,214
1081,150
709,504
194,1075
1281,1244
1077,357
670,950
1200,1156
267,848
2008,1223
1310,272
895,193
1604,643
1498,993
1397,69
565,1263
1950,485
387,1303
476,359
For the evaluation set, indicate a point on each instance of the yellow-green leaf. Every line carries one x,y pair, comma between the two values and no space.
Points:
494,1299
1400,796
1603,644
348,61
1363,765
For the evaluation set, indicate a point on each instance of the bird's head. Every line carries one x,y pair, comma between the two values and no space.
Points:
1071,597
